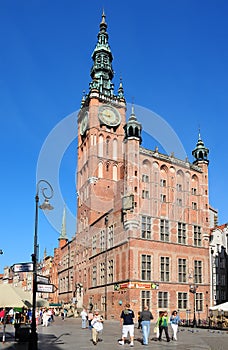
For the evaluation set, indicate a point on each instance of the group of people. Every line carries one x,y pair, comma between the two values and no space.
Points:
95,323
144,319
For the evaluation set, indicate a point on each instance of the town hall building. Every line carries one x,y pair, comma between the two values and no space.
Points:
143,228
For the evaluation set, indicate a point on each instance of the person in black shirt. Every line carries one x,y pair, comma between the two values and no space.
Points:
127,322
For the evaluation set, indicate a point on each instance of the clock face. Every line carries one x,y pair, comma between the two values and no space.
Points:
109,116
84,123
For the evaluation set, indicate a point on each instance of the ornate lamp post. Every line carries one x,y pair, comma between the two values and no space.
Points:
47,193
193,289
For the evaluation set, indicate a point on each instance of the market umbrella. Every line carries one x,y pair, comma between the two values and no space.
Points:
11,296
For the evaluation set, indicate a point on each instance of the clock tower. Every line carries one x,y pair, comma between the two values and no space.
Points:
101,123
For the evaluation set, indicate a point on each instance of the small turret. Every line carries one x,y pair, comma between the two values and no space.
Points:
200,152
133,128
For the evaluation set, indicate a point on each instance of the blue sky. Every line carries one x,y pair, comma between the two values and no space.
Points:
172,56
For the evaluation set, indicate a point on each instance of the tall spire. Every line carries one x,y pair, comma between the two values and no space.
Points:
133,128
102,72
63,234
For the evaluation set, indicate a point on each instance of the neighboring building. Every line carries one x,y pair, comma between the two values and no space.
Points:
219,264
143,216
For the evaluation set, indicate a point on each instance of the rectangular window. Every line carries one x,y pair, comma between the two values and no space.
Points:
198,271
94,276
164,230
182,267
145,178
146,227
163,299
110,271
194,205
181,233
102,273
179,187
199,301
163,183
163,198
193,191
146,267
145,298
102,239
145,194
103,303
164,269
179,202
197,236
110,236
94,244
182,300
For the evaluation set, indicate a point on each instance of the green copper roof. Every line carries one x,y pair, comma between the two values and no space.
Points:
102,72
200,152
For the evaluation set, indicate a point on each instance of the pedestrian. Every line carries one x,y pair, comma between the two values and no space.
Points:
127,322
174,320
84,318
146,316
45,318
156,328
139,320
97,327
163,325
90,317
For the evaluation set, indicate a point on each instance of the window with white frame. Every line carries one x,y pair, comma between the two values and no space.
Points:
94,276
182,300
102,239
163,299
146,267
197,236
198,271
182,270
146,227
199,301
102,273
165,268
110,236
181,233
110,271
164,230
145,298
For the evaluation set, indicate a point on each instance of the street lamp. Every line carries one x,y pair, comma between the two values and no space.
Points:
45,206
193,289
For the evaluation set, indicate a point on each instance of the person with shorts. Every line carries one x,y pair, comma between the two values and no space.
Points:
127,322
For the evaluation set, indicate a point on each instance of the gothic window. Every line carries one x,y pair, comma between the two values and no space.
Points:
100,146
107,145
114,149
115,172
102,239
145,178
110,236
100,170
145,194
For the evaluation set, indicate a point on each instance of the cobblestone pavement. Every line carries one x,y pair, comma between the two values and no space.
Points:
68,335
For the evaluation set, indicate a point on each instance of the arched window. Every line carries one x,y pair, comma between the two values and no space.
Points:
100,146
114,149
114,172
100,170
